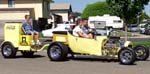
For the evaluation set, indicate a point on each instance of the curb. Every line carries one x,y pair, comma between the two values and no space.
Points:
136,37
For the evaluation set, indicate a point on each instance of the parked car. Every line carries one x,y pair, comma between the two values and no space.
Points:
60,27
142,28
133,28
147,29
105,31
101,31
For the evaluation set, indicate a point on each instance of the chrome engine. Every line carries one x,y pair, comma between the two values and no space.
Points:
111,46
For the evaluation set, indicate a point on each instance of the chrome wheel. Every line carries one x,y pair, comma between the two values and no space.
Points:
127,56
7,51
142,52
55,52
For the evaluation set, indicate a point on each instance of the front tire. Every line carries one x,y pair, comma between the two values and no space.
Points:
57,51
8,51
142,53
127,56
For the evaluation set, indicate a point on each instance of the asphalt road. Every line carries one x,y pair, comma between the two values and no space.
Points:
40,64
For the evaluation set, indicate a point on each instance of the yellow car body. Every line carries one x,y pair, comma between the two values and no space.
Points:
101,46
87,46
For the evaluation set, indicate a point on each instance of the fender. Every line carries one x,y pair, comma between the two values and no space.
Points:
53,44
5,42
127,43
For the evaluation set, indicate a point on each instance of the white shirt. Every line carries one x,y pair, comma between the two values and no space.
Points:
76,30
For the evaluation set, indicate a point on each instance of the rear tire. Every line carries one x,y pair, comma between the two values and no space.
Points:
127,56
57,52
8,51
142,53
27,53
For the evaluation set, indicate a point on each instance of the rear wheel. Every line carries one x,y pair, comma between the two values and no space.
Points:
142,52
8,51
27,53
126,56
57,52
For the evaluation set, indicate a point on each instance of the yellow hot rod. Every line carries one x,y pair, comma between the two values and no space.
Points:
103,46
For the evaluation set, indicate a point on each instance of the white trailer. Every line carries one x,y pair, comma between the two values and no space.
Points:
105,21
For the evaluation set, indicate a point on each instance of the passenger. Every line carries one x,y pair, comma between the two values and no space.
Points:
80,31
76,23
86,28
28,29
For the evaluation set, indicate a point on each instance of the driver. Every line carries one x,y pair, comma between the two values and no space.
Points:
82,29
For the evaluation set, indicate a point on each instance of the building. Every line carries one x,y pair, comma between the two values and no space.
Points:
15,10
64,10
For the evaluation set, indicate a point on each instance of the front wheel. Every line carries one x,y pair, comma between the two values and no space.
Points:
126,56
142,53
57,51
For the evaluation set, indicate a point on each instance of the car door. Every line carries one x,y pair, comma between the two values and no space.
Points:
88,46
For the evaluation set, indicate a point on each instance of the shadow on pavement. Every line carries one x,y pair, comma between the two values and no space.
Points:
34,56
95,59
86,58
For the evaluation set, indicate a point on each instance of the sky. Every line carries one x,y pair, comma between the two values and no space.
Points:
147,9
79,5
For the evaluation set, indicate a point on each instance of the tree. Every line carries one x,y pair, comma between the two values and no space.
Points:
98,8
52,1
127,9
143,17
76,14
